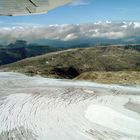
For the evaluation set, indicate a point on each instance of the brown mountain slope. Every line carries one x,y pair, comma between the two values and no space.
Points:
73,62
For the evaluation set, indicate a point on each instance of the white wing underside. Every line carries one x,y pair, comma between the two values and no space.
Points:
27,7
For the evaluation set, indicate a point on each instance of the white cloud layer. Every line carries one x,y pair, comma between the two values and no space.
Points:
100,30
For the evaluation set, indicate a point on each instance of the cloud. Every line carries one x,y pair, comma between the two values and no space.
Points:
79,2
73,32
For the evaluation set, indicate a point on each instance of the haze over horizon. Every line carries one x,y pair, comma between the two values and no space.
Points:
73,34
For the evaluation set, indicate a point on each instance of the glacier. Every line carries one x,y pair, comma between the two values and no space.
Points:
37,108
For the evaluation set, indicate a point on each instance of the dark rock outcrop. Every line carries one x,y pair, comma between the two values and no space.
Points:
69,72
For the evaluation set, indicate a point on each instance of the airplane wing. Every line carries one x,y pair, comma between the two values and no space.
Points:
28,7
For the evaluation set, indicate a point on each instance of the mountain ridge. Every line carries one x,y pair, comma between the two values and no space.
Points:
74,63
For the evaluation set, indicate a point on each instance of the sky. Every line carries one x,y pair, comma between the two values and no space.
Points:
83,21
81,11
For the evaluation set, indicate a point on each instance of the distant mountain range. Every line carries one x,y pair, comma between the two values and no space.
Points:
20,50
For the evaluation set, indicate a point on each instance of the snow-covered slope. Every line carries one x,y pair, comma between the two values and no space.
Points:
35,108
